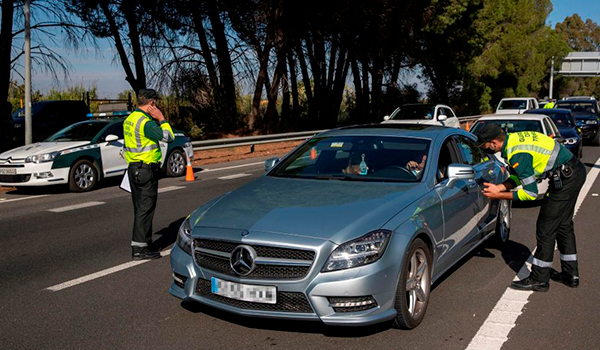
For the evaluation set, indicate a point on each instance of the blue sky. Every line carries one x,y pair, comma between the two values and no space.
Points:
109,77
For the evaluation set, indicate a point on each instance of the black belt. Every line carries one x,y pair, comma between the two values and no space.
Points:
145,165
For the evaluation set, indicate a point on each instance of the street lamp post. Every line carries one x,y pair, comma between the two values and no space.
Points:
551,78
28,129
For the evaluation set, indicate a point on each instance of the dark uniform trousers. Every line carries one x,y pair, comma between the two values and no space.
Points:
143,180
555,223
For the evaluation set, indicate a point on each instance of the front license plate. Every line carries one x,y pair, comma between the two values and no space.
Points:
245,292
8,171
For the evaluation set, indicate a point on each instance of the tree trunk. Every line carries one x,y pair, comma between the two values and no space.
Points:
376,84
366,94
358,98
305,76
272,95
294,83
337,93
206,51
114,30
129,11
222,49
5,50
285,88
260,81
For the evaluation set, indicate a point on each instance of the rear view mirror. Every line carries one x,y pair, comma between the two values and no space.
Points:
459,172
111,138
442,117
270,163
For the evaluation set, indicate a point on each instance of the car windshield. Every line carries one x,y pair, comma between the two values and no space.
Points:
511,125
577,107
414,113
84,131
513,104
561,119
358,158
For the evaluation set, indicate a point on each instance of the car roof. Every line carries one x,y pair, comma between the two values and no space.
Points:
548,110
514,117
418,105
575,100
516,98
396,130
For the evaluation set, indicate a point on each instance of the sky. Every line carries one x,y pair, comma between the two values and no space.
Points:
109,77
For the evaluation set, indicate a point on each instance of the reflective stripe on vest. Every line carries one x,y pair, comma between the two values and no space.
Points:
543,150
139,148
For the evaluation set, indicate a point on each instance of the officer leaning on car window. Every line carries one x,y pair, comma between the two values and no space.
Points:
534,156
143,129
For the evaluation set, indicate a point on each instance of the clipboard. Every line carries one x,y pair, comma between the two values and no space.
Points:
125,186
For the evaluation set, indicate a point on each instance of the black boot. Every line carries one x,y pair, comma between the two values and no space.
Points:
530,284
143,253
567,280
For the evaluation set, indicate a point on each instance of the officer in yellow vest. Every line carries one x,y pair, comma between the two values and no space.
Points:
143,129
550,104
534,156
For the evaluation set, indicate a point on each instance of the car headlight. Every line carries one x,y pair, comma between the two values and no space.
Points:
362,251
42,158
184,236
591,122
571,141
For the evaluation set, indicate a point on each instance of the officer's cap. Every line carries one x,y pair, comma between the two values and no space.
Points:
488,132
148,94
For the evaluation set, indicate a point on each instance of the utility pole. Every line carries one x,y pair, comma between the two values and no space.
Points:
28,129
551,78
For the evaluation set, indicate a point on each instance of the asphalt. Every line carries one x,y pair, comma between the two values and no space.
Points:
131,308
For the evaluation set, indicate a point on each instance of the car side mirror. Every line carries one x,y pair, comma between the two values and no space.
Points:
386,118
111,138
459,172
442,117
270,163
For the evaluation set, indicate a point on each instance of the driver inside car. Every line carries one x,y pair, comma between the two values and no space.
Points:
416,166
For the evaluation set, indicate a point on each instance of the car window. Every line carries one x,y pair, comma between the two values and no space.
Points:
577,107
513,104
115,129
447,156
549,130
414,112
561,119
471,154
358,158
84,131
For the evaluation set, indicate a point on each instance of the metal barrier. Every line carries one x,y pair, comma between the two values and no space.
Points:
465,123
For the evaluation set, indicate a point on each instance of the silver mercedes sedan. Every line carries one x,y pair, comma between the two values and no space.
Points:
351,228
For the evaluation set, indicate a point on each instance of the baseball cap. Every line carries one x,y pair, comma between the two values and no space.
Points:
149,94
487,133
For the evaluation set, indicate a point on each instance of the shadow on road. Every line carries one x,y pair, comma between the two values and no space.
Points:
287,325
168,235
590,165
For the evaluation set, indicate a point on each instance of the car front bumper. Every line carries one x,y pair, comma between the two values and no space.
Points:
31,174
589,131
377,280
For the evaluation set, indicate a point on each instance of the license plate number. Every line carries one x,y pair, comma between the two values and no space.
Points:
244,292
8,171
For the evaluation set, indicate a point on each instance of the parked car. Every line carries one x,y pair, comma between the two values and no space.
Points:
567,127
81,155
47,117
317,239
587,115
516,105
420,113
522,122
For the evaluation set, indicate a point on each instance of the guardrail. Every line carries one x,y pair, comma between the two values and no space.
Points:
465,123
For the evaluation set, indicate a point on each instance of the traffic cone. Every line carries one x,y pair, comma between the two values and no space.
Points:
189,172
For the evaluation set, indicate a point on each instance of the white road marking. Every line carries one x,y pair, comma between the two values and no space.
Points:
4,200
234,176
170,188
232,167
494,331
102,273
75,206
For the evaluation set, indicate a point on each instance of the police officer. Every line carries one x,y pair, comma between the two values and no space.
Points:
534,156
143,129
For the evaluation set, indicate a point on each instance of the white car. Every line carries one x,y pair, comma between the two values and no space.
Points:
521,122
516,105
81,155
420,113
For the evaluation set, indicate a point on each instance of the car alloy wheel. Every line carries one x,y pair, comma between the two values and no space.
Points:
83,176
502,224
412,296
176,164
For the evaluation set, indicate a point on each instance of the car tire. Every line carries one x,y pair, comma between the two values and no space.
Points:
414,286
176,163
83,176
596,140
502,231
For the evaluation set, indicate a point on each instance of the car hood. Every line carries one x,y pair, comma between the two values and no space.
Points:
584,116
332,210
510,111
412,121
567,132
41,148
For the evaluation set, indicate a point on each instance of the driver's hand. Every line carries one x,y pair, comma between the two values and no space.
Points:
412,165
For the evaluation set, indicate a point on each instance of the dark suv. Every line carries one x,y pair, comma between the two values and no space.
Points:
47,117
587,115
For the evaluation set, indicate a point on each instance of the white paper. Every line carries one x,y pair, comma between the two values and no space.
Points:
125,183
